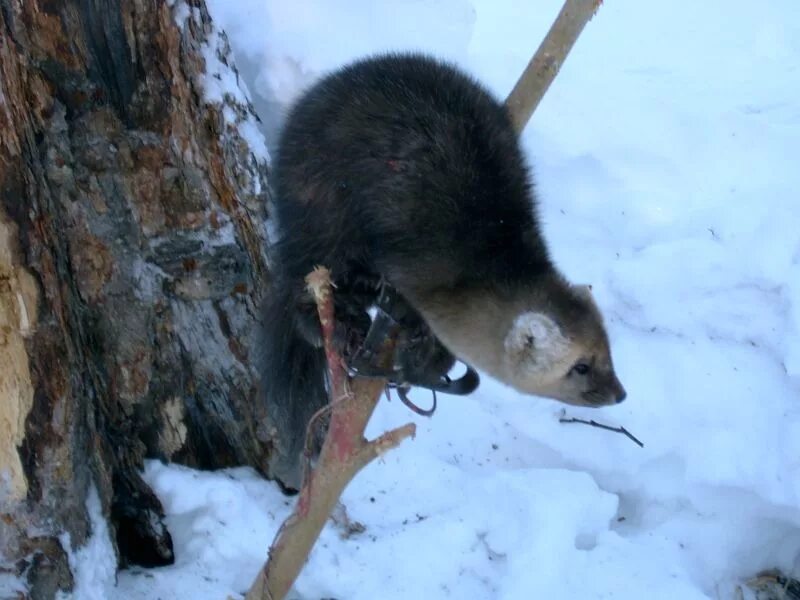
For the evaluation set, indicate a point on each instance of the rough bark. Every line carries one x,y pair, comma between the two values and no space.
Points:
132,250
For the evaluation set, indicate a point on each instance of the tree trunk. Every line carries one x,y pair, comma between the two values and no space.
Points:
132,251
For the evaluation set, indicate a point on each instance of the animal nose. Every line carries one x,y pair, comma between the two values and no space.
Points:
621,395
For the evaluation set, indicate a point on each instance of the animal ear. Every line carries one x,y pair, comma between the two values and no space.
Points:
583,291
536,339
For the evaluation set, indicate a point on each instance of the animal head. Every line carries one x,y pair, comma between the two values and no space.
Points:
563,353
546,339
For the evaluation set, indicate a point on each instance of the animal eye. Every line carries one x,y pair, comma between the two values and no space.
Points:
581,368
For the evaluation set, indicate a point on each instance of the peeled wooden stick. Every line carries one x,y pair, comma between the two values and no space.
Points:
547,61
344,453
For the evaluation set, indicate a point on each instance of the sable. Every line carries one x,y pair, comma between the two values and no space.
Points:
402,170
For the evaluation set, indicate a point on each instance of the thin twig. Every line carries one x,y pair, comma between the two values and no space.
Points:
594,423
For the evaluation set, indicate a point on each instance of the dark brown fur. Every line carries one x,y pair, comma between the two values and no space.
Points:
401,167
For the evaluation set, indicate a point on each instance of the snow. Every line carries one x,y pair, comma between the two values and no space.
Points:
222,84
220,522
666,163
93,565
10,585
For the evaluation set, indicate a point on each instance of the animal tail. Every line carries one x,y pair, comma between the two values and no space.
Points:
293,383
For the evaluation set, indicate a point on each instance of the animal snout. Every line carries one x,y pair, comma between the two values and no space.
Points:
616,392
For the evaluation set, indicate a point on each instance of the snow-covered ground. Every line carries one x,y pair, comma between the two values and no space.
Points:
667,156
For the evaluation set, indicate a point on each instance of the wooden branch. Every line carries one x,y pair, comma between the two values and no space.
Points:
545,64
344,453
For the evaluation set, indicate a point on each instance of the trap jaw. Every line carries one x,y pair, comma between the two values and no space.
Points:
390,310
